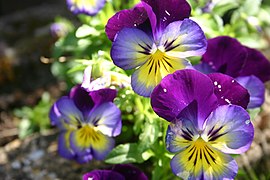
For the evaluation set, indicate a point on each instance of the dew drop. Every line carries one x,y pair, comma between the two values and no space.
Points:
165,90
167,13
228,101
135,25
215,83
233,81
219,86
247,121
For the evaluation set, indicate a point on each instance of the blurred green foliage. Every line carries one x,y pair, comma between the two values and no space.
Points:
34,119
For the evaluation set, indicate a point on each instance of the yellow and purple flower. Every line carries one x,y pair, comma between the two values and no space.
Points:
119,172
154,38
248,66
87,123
202,132
88,7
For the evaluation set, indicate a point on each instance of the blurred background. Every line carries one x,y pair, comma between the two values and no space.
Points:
37,66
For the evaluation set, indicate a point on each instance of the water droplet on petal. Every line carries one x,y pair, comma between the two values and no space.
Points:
247,121
228,101
219,86
165,90
215,83
167,13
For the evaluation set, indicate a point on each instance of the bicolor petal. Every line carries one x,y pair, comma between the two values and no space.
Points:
179,134
201,161
131,48
225,55
125,19
89,7
183,39
257,64
106,118
229,91
87,140
149,75
176,91
64,148
229,129
255,88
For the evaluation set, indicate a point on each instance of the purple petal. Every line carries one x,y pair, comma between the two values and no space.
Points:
130,172
82,99
255,89
125,18
87,140
225,55
64,146
103,175
152,19
204,68
229,91
183,39
229,129
107,119
189,166
84,159
131,48
90,8
166,12
256,65
56,118
103,95
67,112
176,91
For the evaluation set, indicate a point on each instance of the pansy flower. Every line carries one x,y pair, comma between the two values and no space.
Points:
154,38
87,123
248,66
88,7
202,132
119,172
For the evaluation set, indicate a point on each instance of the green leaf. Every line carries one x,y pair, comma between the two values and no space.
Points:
253,113
149,134
85,31
221,7
125,153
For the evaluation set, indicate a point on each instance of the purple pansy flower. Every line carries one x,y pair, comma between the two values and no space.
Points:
202,132
119,172
88,7
87,123
154,38
248,66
